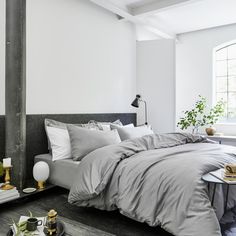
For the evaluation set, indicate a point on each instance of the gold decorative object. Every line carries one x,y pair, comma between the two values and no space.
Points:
41,185
52,222
230,169
7,185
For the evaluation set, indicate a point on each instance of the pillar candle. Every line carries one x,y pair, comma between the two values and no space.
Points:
7,162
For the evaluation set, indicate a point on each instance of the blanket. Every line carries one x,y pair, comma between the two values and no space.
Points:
155,179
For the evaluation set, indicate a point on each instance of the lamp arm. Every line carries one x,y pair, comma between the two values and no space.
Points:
145,103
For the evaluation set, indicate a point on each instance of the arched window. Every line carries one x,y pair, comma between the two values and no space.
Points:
225,78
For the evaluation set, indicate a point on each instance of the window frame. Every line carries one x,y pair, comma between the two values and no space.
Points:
214,97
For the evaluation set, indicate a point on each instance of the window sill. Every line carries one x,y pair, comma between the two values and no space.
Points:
226,123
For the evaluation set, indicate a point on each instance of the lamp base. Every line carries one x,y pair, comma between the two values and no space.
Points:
7,187
41,185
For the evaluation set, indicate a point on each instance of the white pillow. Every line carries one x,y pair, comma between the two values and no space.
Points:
60,143
133,132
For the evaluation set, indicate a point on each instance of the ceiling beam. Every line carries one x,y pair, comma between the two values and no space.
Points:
158,6
136,20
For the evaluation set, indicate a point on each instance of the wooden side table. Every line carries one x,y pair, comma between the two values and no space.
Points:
208,178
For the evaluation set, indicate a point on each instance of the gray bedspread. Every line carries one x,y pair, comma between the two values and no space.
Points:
155,179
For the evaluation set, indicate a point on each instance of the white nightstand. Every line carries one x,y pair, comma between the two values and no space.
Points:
222,139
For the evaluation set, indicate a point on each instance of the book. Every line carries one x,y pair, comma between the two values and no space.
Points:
11,194
8,192
9,198
7,195
220,174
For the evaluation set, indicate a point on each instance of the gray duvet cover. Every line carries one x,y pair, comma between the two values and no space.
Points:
156,179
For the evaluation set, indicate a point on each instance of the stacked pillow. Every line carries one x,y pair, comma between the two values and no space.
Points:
60,125
77,140
105,125
129,132
59,141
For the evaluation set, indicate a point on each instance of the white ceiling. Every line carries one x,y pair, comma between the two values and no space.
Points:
137,3
167,18
198,15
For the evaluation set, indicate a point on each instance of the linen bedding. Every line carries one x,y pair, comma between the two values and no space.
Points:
156,179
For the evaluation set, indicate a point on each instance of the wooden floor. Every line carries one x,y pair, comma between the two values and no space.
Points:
78,221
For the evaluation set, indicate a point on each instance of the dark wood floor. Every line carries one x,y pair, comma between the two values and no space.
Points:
99,222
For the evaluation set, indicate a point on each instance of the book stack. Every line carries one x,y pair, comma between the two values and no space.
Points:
8,195
230,172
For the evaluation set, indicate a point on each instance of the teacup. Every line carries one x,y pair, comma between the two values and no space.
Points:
33,223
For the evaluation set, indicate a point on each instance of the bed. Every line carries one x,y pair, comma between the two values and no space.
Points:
155,179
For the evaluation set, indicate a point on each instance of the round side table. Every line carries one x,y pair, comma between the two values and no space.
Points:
208,178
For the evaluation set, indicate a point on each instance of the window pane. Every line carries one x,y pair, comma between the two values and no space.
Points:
231,105
221,96
232,100
224,97
232,52
232,113
221,84
232,67
232,84
221,68
221,54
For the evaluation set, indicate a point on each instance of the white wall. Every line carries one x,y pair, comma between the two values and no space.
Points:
2,57
156,83
80,58
194,69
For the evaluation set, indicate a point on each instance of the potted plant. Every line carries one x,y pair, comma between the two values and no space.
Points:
201,115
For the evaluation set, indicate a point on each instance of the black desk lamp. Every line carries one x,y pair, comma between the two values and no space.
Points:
136,102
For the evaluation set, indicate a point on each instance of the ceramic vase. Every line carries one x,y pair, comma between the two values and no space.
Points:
210,131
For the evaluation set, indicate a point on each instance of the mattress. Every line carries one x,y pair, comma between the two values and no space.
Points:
62,172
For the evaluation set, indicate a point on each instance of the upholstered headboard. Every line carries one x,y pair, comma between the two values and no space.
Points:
36,140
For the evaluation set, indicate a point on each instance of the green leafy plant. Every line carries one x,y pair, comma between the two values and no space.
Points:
201,115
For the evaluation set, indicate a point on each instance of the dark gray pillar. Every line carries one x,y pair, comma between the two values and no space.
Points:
15,88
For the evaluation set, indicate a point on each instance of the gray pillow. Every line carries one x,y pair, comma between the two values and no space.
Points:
106,125
132,132
62,125
84,141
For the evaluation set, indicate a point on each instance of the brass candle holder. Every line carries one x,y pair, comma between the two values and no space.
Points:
41,185
51,222
7,185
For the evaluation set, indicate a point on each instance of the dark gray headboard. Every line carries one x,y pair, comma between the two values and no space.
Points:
36,140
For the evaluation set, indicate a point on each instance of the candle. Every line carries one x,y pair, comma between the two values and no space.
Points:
7,162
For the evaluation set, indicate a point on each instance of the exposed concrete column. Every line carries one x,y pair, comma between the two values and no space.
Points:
15,90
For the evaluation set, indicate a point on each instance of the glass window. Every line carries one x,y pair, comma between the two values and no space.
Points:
225,72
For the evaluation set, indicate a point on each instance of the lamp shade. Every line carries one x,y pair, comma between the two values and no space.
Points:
41,171
135,103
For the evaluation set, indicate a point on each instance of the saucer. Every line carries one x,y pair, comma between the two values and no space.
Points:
29,190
